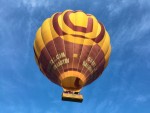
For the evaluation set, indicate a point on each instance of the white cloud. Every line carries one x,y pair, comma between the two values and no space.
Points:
142,98
20,108
145,23
37,3
46,4
132,33
107,106
144,3
116,7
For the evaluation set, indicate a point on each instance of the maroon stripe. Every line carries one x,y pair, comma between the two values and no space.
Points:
90,25
56,25
44,58
68,22
101,34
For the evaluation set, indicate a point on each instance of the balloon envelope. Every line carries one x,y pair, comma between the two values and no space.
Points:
72,49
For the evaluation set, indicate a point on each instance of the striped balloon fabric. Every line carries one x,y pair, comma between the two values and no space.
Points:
72,49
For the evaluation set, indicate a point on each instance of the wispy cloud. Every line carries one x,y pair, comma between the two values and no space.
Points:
142,98
31,4
116,7
145,23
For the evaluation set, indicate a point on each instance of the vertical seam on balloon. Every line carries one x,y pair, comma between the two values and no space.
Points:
98,63
72,46
54,42
47,67
92,47
98,54
89,52
36,57
49,55
45,47
73,41
64,44
100,49
64,19
81,53
63,41
58,29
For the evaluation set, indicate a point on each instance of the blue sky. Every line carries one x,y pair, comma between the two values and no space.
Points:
124,86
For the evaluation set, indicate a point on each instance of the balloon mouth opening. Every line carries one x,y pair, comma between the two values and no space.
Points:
72,83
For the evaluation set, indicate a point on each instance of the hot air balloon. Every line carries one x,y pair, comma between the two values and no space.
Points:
72,50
